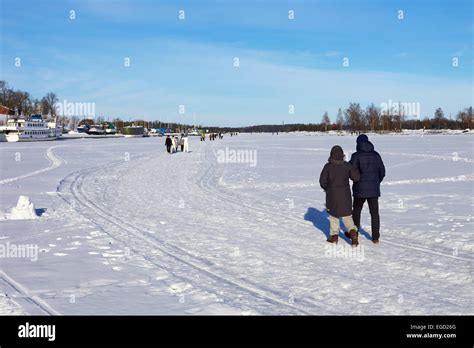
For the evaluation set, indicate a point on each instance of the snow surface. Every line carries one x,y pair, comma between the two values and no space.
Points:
128,229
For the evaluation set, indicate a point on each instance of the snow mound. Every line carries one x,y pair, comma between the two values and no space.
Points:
24,210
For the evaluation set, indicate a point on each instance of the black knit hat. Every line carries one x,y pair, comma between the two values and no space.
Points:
362,139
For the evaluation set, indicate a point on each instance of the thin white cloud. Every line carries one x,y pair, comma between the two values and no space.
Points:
203,78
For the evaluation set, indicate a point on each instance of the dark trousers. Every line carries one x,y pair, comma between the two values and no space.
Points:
374,214
168,148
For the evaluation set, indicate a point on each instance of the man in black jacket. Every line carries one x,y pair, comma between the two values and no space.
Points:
372,171
168,143
334,180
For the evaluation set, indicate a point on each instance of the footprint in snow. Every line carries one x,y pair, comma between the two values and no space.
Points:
364,300
59,254
180,287
49,294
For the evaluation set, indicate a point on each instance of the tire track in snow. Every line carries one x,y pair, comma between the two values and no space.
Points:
55,161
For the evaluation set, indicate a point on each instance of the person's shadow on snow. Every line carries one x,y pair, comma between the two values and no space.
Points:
364,233
320,220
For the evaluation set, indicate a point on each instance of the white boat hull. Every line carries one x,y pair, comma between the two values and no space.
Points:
37,139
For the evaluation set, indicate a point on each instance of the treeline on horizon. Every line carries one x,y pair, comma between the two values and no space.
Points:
354,118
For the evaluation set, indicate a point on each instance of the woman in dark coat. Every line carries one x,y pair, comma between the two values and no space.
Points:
334,180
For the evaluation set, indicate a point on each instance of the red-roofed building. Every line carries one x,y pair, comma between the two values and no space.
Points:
6,111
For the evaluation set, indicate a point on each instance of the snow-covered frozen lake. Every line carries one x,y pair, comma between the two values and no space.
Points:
128,229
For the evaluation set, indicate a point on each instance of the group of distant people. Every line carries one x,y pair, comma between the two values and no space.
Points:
366,170
174,143
212,136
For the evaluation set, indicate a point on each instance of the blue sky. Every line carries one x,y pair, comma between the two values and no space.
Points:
283,62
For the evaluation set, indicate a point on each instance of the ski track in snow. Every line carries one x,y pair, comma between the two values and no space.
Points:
183,258
55,161
34,304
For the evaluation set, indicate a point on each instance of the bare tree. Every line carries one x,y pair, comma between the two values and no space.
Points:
372,116
439,117
48,104
398,115
20,101
73,122
340,119
326,121
465,117
354,114
4,91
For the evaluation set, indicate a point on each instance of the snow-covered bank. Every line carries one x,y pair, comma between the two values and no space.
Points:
130,229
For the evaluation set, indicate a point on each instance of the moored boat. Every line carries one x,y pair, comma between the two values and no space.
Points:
96,129
32,128
133,131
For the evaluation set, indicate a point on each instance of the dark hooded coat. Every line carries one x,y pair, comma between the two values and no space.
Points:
371,168
334,179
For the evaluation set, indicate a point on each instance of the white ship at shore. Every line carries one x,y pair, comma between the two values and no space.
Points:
32,128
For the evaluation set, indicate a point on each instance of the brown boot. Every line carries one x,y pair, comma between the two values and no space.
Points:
333,239
354,236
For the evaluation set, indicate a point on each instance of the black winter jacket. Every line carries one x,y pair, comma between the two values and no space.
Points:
372,171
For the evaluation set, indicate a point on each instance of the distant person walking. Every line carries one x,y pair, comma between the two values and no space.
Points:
176,143
168,143
334,180
181,142
372,171
185,144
